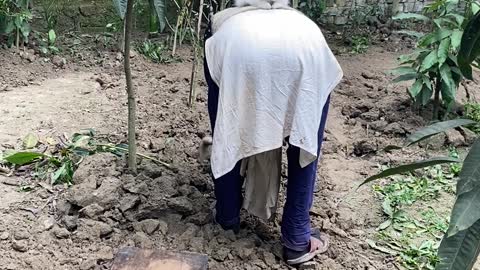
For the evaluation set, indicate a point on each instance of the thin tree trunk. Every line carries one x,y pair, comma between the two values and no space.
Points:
132,146
195,56
436,100
175,36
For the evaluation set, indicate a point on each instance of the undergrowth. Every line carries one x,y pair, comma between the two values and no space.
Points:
158,53
472,111
413,230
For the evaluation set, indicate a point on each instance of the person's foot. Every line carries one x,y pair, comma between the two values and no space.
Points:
319,243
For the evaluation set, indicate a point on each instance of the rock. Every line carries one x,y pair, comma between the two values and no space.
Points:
455,138
470,136
119,56
364,147
394,128
63,207
88,264
20,245
70,222
309,266
142,241
369,85
149,226
200,218
91,229
372,115
131,185
21,234
103,79
379,125
370,76
61,233
105,254
92,210
182,205
59,61
108,193
4,236
269,258
221,254
48,224
82,194
436,142
129,201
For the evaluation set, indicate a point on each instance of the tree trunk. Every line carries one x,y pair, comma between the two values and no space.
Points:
196,44
436,100
132,146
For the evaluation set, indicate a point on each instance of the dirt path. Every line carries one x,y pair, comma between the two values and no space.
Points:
84,226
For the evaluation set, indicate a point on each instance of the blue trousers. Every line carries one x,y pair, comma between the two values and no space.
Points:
300,186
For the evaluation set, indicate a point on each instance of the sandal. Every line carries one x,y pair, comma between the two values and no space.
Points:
319,243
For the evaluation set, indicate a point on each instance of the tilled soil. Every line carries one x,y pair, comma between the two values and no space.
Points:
82,227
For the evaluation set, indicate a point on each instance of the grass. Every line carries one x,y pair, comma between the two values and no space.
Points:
413,230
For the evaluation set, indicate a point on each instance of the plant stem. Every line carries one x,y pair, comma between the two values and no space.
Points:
195,56
436,101
132,146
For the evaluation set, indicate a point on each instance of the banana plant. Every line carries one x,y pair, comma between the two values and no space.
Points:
470,46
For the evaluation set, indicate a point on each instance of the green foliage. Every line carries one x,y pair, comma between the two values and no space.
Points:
156,52
360,44
472,111
433,66
52,9
15,19
312,8
470,45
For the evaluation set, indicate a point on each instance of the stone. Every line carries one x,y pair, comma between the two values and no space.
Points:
221,254
364,147
142,241
269,258
59,61
182,205
88,264
379,125
105,254
21,234
48,224
70,222
92,229
394,128
20,245
455,138
129,201
470,136
309,266
149,226
92,210
4,236
61,233
436,142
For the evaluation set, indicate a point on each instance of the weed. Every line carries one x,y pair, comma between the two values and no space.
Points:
472,111
360,44
158,53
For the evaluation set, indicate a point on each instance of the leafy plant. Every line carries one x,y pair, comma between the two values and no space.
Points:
360,44
156,52
433,65
470,45
47,44
472,111
52,10
312,8
14,20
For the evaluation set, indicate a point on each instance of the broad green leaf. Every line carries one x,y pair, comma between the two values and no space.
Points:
22,158
470,46
416,88
385,225
415,34
459,19
30,141
387,207
409,16
466,210
443,50
373,245
425,95
160,6
436,128
120,7
402,71
429,61
475,7
434,37
460,251
456,39
405,77
449,87
410,167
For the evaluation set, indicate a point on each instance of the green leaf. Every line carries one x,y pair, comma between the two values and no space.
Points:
387,207
429,61
64,174
470,46
425,95
402,71
120,7
449,87
161,13
405,77
456,39
385,225
30,141
434,37
443,50
22,158
416,88
460,252
373,245
458,18
410,167
409,16
466,210
436,128
414,34
52,37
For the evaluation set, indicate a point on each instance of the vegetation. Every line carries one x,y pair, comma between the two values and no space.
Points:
15,19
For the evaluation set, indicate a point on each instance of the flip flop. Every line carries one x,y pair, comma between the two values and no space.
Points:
319,243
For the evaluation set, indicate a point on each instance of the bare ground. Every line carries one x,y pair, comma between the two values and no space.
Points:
83,227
